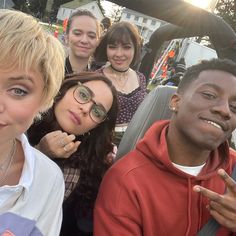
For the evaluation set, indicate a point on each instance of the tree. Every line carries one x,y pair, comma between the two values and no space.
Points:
21,5
227,10
100,6
37,7
117,12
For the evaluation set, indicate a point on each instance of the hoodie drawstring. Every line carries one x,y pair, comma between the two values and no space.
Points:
189,207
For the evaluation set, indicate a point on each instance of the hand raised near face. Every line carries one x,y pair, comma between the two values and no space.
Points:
222,207
58,144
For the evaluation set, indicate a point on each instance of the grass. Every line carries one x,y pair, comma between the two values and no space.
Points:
53,28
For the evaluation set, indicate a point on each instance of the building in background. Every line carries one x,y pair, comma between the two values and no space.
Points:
145,24
66,9
6,4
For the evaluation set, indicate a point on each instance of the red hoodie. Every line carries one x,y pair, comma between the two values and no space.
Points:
144,194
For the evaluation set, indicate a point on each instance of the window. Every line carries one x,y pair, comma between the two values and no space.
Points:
136,18
153,22
128,15
145,20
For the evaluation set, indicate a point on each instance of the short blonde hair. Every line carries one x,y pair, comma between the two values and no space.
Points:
26,45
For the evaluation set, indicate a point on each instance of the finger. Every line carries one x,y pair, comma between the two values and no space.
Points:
208,193
231,184
62,139
68,139
77,143
54,133
71,147
222,219
225,210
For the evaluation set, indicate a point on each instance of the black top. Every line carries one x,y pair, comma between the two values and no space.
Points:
93,66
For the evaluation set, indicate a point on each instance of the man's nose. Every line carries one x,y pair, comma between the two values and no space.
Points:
223,108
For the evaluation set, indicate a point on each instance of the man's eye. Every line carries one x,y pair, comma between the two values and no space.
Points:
233,108
209,95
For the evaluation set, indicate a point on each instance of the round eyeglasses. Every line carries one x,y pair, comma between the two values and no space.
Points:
83,95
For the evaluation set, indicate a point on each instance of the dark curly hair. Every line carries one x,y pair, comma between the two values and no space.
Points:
92,152
193,72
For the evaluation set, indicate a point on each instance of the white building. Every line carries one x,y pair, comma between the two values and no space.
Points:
6,4
146,24
66,9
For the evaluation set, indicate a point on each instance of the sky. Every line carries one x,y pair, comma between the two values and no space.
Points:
200,3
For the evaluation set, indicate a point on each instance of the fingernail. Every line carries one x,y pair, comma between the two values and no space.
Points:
221,171
197,189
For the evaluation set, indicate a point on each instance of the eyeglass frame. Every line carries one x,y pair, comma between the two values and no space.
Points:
91,100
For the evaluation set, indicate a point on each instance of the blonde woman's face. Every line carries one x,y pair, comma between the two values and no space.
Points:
20,101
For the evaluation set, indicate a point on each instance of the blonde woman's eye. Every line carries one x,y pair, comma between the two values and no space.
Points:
19,92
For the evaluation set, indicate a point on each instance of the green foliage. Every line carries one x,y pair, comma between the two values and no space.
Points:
116,13
21,5
227,10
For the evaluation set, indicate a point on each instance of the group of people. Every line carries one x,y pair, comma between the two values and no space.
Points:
62,119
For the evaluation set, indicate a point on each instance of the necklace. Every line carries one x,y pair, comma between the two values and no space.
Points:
120,79
120,71
4,168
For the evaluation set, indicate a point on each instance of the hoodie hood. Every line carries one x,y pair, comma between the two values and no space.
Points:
154,147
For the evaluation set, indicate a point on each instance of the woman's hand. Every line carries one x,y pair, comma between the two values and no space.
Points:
58,144
111,156
222,207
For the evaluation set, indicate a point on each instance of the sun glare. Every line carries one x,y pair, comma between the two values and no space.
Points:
200,3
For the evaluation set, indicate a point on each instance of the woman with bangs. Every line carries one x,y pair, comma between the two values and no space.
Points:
77,133
121,47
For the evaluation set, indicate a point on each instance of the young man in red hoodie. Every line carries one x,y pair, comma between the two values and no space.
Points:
175,179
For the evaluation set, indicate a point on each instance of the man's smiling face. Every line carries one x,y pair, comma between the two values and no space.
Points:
206,109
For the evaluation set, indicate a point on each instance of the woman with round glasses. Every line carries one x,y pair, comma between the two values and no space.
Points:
77,134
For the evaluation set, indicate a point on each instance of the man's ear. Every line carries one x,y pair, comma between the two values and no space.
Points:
174,102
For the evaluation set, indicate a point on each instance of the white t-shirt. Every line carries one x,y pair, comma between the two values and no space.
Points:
191,170
34,205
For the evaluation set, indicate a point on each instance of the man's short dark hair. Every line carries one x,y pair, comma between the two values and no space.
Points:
193,72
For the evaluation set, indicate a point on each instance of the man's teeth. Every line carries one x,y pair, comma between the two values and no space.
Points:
214,124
